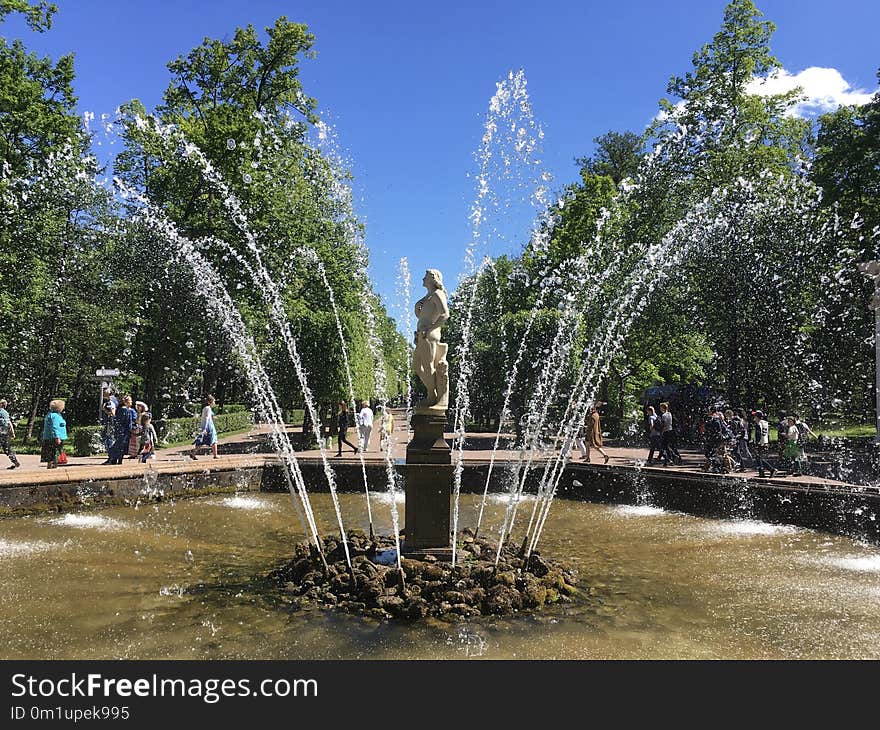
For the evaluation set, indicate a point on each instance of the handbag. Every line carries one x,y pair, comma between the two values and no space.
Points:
62,457
134,443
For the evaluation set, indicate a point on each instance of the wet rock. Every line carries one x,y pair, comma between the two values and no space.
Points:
498,601
475,596
534,596
370,591
462,609
417,608
454,597
434,573
433,588
554,579
302,566
538,566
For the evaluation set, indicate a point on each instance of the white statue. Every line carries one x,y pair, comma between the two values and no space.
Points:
429,357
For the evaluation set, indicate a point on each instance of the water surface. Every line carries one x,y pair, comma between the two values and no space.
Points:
182,580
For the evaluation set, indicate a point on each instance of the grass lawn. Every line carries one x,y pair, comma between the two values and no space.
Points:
852,430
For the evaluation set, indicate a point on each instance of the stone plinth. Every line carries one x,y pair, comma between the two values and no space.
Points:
428,487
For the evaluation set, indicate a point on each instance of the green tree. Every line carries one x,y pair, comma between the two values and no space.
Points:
241,104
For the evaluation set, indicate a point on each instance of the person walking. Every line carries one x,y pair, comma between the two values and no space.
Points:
108,421
715,433
762,445
386,424
54,434
365,425
793,452
669,440
207,430
592,433
781,430
655,433
123,425
7,433
342,426
739,435
804,433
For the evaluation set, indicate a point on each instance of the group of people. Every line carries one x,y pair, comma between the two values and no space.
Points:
129,431
126,430
363,420
53,435
662,438
733,440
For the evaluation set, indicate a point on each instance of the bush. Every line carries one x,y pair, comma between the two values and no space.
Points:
86,440
233,408
174,430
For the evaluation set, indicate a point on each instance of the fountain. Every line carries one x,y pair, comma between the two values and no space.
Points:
423,584
441,564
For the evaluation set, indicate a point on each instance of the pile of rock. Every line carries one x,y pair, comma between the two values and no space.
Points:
430,587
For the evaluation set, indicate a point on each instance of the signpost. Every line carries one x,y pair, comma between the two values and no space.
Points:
105,379
871,269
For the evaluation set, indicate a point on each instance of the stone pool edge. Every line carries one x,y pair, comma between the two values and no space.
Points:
852,511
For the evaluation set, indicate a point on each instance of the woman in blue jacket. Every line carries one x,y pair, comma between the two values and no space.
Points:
54,434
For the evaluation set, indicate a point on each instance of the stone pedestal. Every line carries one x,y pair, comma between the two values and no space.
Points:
428,487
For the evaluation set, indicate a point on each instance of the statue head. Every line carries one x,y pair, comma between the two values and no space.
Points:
433,279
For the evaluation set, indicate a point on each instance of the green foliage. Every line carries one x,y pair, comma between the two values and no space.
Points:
38,15
241,102
847,168
617,156
764,291
84,285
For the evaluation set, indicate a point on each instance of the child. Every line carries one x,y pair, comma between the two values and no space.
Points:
149,439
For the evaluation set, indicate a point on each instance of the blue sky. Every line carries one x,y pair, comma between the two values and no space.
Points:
407,84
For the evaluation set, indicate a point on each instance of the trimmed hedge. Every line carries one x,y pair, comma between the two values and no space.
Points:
232,408
86,440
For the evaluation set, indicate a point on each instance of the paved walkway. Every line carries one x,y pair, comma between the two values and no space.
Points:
479,447
478,450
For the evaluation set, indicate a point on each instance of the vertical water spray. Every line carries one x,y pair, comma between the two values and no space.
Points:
404,298
506,156
220,303
266,285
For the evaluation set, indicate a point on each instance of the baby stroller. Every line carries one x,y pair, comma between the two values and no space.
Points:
718,459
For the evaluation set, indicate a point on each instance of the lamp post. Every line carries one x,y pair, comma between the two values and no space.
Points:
871,269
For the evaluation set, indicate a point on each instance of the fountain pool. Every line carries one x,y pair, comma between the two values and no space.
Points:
182,580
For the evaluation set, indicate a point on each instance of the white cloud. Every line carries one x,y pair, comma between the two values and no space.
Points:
824,90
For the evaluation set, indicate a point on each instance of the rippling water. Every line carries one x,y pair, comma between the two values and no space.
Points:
182,580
